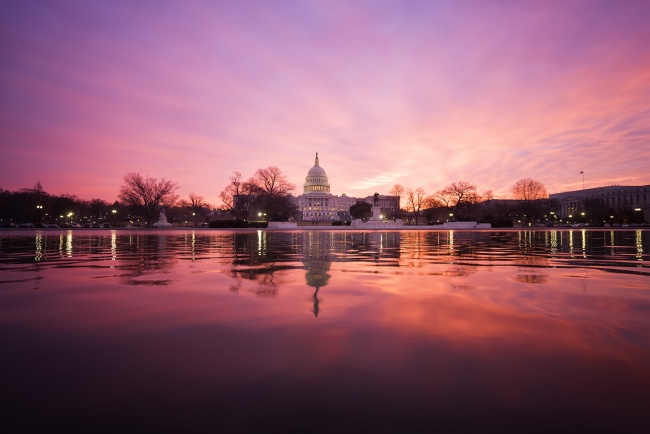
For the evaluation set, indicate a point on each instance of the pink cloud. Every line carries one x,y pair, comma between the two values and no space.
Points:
419,94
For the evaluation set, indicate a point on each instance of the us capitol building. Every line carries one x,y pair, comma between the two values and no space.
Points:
317,203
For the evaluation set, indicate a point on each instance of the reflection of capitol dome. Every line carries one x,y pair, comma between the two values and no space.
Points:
316,259
316,180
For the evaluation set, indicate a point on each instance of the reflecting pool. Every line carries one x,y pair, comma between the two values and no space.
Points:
325,331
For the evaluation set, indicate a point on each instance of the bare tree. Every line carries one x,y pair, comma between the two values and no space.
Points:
458,195
529,189
530,192
269,190
38,188
147,195
273,182
415,200
398,190
196,203
238,196
488,195
274,190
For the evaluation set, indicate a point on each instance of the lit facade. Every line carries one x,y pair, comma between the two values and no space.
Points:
389,205
316,202
619,198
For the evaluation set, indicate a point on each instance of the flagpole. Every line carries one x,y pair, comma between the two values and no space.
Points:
582,172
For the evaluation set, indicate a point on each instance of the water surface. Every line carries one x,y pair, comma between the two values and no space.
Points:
321,331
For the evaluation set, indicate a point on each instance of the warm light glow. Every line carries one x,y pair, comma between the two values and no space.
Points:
193,94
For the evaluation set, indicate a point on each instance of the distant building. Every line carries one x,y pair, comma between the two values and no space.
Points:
389,205
619,198
318,203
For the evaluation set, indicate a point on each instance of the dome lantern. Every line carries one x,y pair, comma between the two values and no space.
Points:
316,180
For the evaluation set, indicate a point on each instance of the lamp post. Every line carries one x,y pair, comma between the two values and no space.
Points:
194,216
114,212
39,208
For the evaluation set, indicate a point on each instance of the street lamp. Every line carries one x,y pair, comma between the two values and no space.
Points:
194,215
114,212
39,208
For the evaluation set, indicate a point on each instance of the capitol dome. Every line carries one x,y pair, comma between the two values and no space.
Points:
316,180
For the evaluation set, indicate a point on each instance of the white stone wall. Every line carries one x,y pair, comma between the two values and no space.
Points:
323,206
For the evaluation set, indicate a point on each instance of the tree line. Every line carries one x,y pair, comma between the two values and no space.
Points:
462,201
140,201
268,193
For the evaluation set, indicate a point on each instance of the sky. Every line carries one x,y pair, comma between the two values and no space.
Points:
421,93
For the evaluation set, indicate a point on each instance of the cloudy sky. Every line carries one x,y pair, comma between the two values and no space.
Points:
421,93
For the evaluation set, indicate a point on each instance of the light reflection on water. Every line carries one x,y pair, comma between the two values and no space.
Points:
378,331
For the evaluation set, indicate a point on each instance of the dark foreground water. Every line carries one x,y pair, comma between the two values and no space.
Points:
325,331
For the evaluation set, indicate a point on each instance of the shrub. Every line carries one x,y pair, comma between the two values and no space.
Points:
229,224
503,223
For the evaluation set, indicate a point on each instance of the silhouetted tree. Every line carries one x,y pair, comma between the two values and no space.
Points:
273,190
531,193
457,197
147,195
98,208
415,201
239,196
398,190
361,210
529,189
268,191
197,203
